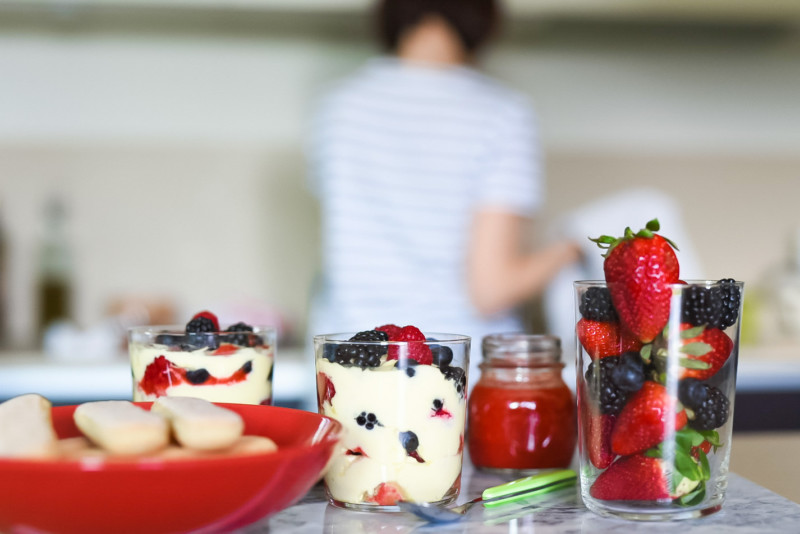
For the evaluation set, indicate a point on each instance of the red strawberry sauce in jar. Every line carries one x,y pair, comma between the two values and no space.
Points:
521,413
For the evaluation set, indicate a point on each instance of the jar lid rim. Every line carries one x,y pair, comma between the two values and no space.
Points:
522,347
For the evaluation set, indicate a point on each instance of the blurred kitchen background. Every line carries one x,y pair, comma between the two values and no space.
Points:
152,165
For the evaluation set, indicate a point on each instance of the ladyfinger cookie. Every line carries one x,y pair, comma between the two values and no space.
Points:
120,427
199,424
26,428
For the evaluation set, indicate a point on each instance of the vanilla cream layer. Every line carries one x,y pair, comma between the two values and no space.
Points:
400,403
254,389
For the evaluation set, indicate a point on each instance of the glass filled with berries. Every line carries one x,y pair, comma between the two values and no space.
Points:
656,378
231,364
401,396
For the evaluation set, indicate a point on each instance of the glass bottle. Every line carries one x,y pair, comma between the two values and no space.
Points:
521,413
55,269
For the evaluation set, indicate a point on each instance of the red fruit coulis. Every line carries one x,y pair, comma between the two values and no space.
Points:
162,374
521,428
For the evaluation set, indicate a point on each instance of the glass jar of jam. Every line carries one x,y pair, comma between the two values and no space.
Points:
521,413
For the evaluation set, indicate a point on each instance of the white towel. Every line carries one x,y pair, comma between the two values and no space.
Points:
609,215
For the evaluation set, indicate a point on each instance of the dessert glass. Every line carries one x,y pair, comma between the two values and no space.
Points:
234,367
665,458
404,421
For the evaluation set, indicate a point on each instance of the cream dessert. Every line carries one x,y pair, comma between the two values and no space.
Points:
234,365
404,409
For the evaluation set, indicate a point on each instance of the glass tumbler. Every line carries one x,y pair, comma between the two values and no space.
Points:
403,406
655,418
220,366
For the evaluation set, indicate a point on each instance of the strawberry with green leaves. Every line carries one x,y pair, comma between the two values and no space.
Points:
639,269
711,346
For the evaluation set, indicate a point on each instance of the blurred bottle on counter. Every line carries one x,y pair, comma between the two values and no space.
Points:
54,290
782,288
4,328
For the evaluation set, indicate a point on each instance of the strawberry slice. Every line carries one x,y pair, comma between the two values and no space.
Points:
712,347
646,419
639,269
634,478
208,315
226,349
601,339
325,389
386,494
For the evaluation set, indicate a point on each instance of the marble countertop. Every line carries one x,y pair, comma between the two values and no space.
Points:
748,509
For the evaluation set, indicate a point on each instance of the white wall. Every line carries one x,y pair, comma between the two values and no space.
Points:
181,158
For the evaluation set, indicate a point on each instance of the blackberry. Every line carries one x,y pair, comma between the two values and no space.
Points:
366,355
199,325
442,355
629,374
458,376
368,420
717,306
712,412
701,306
197,376
596,305
242,335
731,297
601,387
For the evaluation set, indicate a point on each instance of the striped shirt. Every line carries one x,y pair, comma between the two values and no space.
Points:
402,157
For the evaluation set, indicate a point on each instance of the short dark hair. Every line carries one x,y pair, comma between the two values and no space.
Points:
473,20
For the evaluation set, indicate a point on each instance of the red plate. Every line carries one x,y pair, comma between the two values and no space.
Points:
218,494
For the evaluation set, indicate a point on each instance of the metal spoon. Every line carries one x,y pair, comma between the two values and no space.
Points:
505,493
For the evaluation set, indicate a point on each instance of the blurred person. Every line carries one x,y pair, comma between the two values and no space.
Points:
427,173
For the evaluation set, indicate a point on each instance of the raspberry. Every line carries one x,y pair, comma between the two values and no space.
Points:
391,329
417,350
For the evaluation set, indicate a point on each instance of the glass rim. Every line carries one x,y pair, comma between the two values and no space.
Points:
440,338
694,282
181,329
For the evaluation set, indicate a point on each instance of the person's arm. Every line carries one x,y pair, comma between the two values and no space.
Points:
500,276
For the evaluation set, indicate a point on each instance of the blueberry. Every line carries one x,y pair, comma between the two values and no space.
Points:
438,404
692,392
202,339
171,340
409,441
442,355
628,374
197,376
329,352
247,367
368,420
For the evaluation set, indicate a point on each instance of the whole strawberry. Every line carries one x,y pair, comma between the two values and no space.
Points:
601,339
711,346
634,478
646,420
639,269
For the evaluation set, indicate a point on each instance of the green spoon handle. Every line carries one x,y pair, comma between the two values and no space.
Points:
532,485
